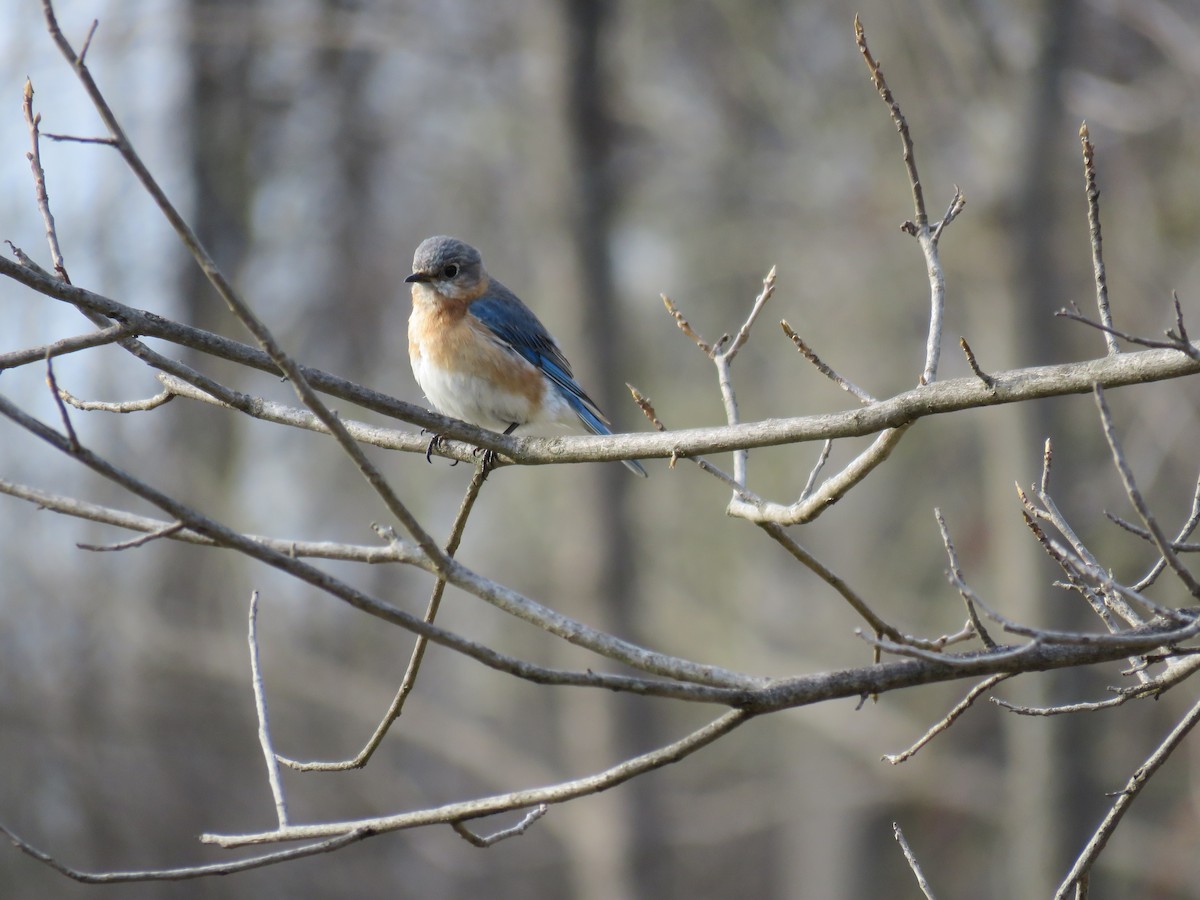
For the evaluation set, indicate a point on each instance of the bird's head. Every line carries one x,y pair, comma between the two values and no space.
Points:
449,266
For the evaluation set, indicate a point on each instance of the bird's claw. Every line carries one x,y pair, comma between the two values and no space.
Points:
438,441
487,458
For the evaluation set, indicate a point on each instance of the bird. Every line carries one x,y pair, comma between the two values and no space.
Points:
481,355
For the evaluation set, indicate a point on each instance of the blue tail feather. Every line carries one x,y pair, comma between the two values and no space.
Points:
597,425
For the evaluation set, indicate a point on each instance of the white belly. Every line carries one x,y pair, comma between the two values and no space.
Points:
479,402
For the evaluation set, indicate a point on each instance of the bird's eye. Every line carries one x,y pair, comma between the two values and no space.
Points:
451,270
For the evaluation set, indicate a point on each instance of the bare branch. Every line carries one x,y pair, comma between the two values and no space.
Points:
408,682
186,873
1083,864
709,682
1135,497
812,504
484,806
919,226
64,346
234,302
939,398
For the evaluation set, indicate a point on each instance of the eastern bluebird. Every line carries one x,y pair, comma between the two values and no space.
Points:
481,355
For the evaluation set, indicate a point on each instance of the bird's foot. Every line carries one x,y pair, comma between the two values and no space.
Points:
487,458
436,442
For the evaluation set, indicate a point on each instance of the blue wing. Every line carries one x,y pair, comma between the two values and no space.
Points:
514,323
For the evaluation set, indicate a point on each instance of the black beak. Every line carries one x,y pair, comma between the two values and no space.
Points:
421,277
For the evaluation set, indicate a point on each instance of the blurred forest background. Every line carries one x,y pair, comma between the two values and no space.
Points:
598,154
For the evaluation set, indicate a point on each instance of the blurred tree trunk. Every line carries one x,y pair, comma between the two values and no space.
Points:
1045,774
220,124
634,863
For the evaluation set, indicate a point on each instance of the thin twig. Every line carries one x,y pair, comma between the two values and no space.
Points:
264,724
127,406
1171,343
809,354
957,579
1178,544
831,578
165,532
912,861
910,164
1093,200
39,182
723,354
685,327
1112,597
957,204
974,364
822,458
398,551
520,828
1180,333
1090,706
938,657
949,719
1086,859
52,383
705,465
743,335
87,41
79,139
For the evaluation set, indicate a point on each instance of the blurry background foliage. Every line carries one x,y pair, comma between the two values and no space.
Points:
314,143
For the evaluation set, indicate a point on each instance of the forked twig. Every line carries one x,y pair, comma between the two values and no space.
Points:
495,837
408,682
